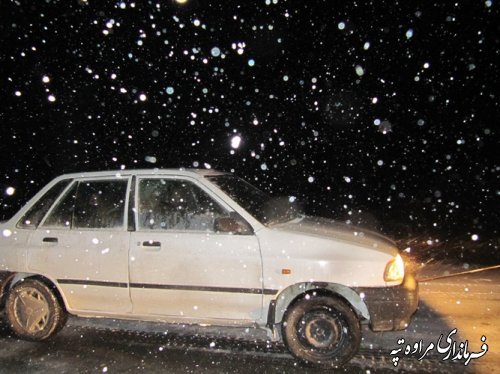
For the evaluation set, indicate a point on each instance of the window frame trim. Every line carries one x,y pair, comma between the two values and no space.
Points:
124,225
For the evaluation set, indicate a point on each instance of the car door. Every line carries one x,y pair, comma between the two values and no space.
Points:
82,243
179,266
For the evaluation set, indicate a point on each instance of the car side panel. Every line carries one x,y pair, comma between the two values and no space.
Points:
91,266
196,275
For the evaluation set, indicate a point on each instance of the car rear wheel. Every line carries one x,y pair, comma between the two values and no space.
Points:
33,311
322,331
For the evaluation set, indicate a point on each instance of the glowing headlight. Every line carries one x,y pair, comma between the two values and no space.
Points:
394,270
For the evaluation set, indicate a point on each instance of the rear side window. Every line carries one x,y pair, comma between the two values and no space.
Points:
35,214
91,205
62,214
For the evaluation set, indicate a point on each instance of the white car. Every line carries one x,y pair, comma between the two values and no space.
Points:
201,247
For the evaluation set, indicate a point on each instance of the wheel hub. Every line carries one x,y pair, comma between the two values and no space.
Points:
31,310
321,330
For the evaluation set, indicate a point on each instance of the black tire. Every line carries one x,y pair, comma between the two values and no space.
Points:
322,331
33,312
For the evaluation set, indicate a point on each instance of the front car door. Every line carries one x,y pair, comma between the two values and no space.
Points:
82,244
179,266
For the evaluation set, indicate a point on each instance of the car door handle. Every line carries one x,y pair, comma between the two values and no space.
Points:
151,243
50,240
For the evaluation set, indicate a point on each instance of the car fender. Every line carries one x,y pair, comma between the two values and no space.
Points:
289,294
18,277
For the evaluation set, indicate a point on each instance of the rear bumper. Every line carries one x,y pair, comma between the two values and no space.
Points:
5,276
391,308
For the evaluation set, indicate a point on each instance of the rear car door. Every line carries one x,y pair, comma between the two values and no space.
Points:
181,267
82,243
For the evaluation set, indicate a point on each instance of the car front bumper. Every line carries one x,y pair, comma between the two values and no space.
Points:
391,307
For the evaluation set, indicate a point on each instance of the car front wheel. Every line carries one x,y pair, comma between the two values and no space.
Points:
33,311
322,331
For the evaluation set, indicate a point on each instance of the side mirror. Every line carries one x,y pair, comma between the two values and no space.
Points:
232,225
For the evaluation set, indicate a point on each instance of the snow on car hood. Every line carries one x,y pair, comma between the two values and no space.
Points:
330,229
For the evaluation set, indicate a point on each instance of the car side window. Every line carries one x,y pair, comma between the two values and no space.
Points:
91,205
32,218
62,214
172,204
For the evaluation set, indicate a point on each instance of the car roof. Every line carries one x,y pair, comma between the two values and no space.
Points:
155,171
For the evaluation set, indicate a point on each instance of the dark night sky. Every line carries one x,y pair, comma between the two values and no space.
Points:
384,113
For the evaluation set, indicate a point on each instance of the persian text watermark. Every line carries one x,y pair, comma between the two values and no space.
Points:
451,349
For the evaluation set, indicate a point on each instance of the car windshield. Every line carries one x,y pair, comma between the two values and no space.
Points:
266,209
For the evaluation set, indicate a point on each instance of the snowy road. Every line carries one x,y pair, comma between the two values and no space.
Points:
469,303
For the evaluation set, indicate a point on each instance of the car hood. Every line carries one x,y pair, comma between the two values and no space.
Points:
330,229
